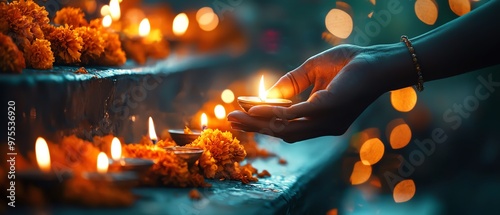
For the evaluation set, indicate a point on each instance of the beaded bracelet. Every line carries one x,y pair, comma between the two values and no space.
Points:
420,82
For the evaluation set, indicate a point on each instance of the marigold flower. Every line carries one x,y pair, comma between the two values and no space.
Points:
38,55
113,54
70,16
93,44
221,152
11,59
66,45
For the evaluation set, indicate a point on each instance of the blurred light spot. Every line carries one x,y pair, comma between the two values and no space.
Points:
105,10
202,11
132,118
400,133
404,191
227,96
373,2
207,19
360,173
358,139
90,6
427,11
220,112
404,99
180,24
334,211
375,181
370,14
339,23
460,7
114,10
134,16
106,21
371,151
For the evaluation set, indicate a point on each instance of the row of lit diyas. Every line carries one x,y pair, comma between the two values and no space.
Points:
125,171
141,42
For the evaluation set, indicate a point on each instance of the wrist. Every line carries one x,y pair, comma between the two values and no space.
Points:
394,67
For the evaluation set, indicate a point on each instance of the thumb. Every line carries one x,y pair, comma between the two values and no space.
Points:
291,84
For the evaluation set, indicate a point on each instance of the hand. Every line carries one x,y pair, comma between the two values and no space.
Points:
344,85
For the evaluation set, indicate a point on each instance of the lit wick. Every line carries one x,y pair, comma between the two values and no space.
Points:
204,121
152,132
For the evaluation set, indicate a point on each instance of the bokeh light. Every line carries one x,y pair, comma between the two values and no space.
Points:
227,96
105,10
180,24
404,191
220,112
427,11
460,7
207,19
371,151
404,99
339,23
106,21
400,133
360,173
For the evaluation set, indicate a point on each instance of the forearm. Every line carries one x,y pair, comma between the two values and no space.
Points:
462,45
465,44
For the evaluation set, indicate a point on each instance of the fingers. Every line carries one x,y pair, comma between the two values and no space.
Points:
290,131
291,84
320,102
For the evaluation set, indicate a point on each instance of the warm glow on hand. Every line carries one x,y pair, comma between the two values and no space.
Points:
262,90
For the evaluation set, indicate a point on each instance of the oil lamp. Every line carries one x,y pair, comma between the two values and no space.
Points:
246,102
126,178
185,136
118,163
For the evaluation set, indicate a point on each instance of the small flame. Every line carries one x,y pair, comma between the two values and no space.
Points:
220,112
180,25
106,21
102,163
114,9
262,90
152,132
144,27
116,149
42,154
204,121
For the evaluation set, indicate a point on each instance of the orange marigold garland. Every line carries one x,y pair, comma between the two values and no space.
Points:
11,59
168,169
66,45
93,44
38,55
70,16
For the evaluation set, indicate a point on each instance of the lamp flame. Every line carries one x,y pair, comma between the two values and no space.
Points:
152,132
116,149
180,25
144,27
262,90
114,9
204,121
102,163
42,154
106,21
